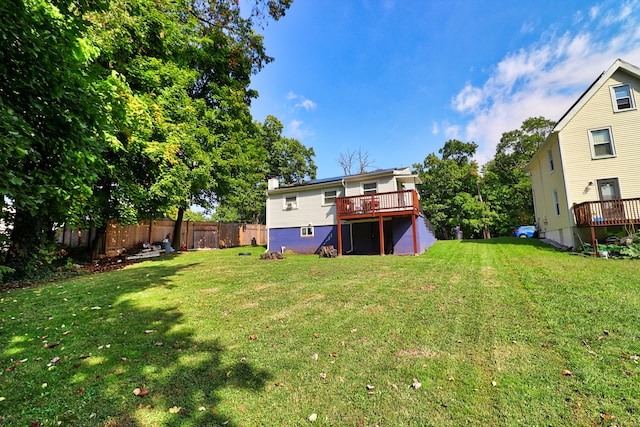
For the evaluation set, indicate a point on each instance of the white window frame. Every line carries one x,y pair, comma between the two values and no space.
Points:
614,98
556,202
331,200
593,145
369,190
288,204
307,231
550,159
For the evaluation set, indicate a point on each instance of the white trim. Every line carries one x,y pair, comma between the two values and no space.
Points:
324,197
369,191
307,231
614,99
594,156
287,204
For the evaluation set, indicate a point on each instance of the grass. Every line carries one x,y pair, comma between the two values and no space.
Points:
212,338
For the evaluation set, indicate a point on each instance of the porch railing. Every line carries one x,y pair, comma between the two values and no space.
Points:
607,212
378,203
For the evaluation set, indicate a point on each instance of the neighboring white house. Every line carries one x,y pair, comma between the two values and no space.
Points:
585,177
369,213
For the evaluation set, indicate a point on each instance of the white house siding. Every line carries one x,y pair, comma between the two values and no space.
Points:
625,127
309,210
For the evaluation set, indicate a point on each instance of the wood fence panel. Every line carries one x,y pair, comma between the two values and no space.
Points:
228,235
194,235
249,232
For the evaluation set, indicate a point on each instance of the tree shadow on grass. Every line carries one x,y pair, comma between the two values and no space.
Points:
92,352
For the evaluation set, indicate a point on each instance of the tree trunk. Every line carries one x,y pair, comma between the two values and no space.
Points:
98,245
177,230
32,245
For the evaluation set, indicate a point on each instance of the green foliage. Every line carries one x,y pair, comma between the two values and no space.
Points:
507,186
449,190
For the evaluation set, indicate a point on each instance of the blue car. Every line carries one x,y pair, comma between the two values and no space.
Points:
525,231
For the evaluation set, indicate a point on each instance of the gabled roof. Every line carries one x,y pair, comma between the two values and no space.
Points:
619,64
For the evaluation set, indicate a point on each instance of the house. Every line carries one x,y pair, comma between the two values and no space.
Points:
585,176
371,213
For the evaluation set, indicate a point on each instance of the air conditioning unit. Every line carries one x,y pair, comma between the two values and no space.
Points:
291,205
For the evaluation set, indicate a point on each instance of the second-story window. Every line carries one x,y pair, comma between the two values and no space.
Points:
550,156
329,197
601,143
622,97
370,188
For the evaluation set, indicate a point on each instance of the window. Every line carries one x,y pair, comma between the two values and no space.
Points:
622,97
291,202
556,202
306,231
550,156
601,143
370,188
329,197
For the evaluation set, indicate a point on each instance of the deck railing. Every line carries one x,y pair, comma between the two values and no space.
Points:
607,212
379,203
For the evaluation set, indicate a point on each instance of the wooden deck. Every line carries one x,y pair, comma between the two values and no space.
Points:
373,205
607,213
378,206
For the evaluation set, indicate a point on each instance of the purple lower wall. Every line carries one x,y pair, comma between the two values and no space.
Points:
365,238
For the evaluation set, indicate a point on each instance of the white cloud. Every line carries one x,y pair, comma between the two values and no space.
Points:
546,78
297,130
435,129
307,104
303,102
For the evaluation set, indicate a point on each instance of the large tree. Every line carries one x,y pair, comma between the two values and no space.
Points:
506,182
274,156
52,121
120,109
450,195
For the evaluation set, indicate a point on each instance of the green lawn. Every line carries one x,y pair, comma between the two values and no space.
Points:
212,338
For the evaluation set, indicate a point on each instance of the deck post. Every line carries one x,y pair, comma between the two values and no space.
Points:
339,236
594,242
415,237
381,231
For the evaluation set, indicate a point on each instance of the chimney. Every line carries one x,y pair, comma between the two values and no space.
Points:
273,183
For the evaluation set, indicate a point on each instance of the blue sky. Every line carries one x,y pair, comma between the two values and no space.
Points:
398,78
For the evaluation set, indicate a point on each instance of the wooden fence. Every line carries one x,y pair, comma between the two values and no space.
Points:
194,235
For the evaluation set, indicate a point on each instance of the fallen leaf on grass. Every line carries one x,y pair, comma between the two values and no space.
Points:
313,417
149,331
567,373
315,356
140,391
52,345
390,384
253,337
546,345
607,416
370,387
333,354
175,410
323,375
316,335
416,384
55,359
159,344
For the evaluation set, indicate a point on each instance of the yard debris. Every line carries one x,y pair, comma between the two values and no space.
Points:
313,417
272,255
567,373
327,252
416,384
